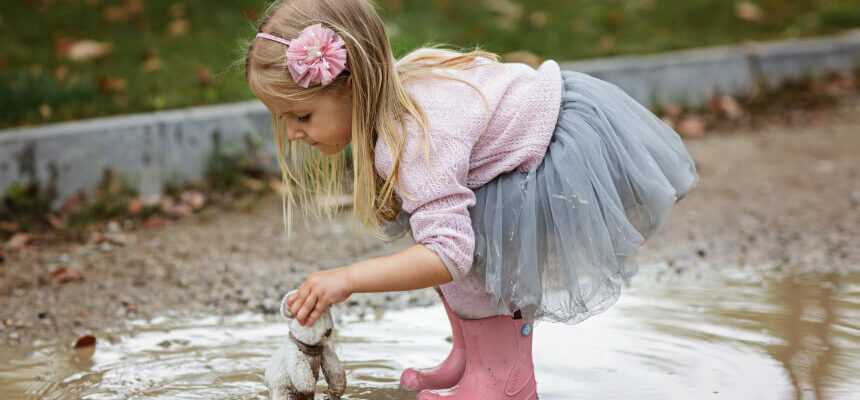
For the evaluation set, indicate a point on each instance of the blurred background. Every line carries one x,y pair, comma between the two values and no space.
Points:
153,241
70,59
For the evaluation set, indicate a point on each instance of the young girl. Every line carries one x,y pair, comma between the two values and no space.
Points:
523,189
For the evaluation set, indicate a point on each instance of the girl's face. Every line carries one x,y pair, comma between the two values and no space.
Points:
323,121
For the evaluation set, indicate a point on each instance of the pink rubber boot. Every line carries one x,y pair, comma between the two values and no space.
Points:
446,374
498,362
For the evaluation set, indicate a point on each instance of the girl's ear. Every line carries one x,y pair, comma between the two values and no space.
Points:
285,309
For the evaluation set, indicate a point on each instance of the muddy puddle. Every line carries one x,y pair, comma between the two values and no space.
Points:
735,336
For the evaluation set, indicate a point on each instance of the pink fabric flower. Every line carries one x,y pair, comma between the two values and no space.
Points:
318,55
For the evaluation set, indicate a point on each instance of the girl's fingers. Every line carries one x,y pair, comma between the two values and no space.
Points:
306,309
318,310
299,300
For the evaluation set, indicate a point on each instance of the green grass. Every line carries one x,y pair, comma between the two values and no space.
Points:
32,33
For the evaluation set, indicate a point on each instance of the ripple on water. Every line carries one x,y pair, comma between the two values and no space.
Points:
775,339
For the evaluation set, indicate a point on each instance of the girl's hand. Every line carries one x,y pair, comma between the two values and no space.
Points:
319,291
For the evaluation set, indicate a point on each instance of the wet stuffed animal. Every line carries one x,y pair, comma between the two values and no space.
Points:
293,370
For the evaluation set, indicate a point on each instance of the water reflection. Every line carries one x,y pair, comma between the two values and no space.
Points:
811,350
735,336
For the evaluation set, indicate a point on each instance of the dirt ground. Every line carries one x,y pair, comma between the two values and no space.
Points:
785,195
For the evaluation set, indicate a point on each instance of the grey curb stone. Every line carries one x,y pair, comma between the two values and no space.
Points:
148,150
152,149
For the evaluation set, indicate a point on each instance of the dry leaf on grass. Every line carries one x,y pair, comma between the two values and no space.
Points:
108,85
539,19
152,64
749,11
725,106
204,75
85,50
178,27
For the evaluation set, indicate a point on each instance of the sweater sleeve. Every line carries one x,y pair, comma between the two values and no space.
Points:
438,200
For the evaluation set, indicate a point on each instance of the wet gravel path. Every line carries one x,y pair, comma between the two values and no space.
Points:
781,197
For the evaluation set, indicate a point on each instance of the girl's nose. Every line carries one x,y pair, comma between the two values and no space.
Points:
295,134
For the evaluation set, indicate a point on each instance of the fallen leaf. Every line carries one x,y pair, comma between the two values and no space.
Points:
85,346
749,11
134,6
63,275
9,226
693,126
154,222
195,200
255,185
394,6
729,107
3,62
524,57
56,221
539,19
20,240
204,75
135,206
607,43
673,111
61,73
115,13
277,186
73,203
85,50
178,10
109,85
178,27
45,111
616,18
174,210
153,64
251,13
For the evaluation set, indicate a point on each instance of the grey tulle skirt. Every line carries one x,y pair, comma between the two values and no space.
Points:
552,242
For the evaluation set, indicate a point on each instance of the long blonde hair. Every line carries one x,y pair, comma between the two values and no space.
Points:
380,105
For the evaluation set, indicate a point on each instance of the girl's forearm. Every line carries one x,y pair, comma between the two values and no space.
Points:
415,267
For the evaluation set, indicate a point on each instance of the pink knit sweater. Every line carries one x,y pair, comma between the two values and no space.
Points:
523,108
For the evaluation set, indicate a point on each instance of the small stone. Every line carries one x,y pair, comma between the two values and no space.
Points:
113,227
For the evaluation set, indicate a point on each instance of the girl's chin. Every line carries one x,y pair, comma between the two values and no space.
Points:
329,150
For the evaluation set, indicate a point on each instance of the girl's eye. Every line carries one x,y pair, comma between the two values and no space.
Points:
304,118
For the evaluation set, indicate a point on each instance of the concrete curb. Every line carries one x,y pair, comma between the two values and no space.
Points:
148,150
152,149
691,77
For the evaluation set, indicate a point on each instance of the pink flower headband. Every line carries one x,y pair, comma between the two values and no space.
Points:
318,55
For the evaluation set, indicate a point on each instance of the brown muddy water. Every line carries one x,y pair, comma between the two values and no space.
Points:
736,335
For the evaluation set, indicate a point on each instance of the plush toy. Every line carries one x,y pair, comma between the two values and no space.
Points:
293,370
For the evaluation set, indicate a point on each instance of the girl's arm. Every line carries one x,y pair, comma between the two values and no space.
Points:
416,267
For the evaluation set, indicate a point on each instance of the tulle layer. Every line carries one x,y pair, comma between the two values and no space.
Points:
552,242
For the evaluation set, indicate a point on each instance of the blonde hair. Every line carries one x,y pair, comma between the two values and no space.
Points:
380,105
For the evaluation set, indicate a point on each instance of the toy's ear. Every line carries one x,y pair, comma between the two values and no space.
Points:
285,309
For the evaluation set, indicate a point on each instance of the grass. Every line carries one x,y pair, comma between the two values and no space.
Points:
171,54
